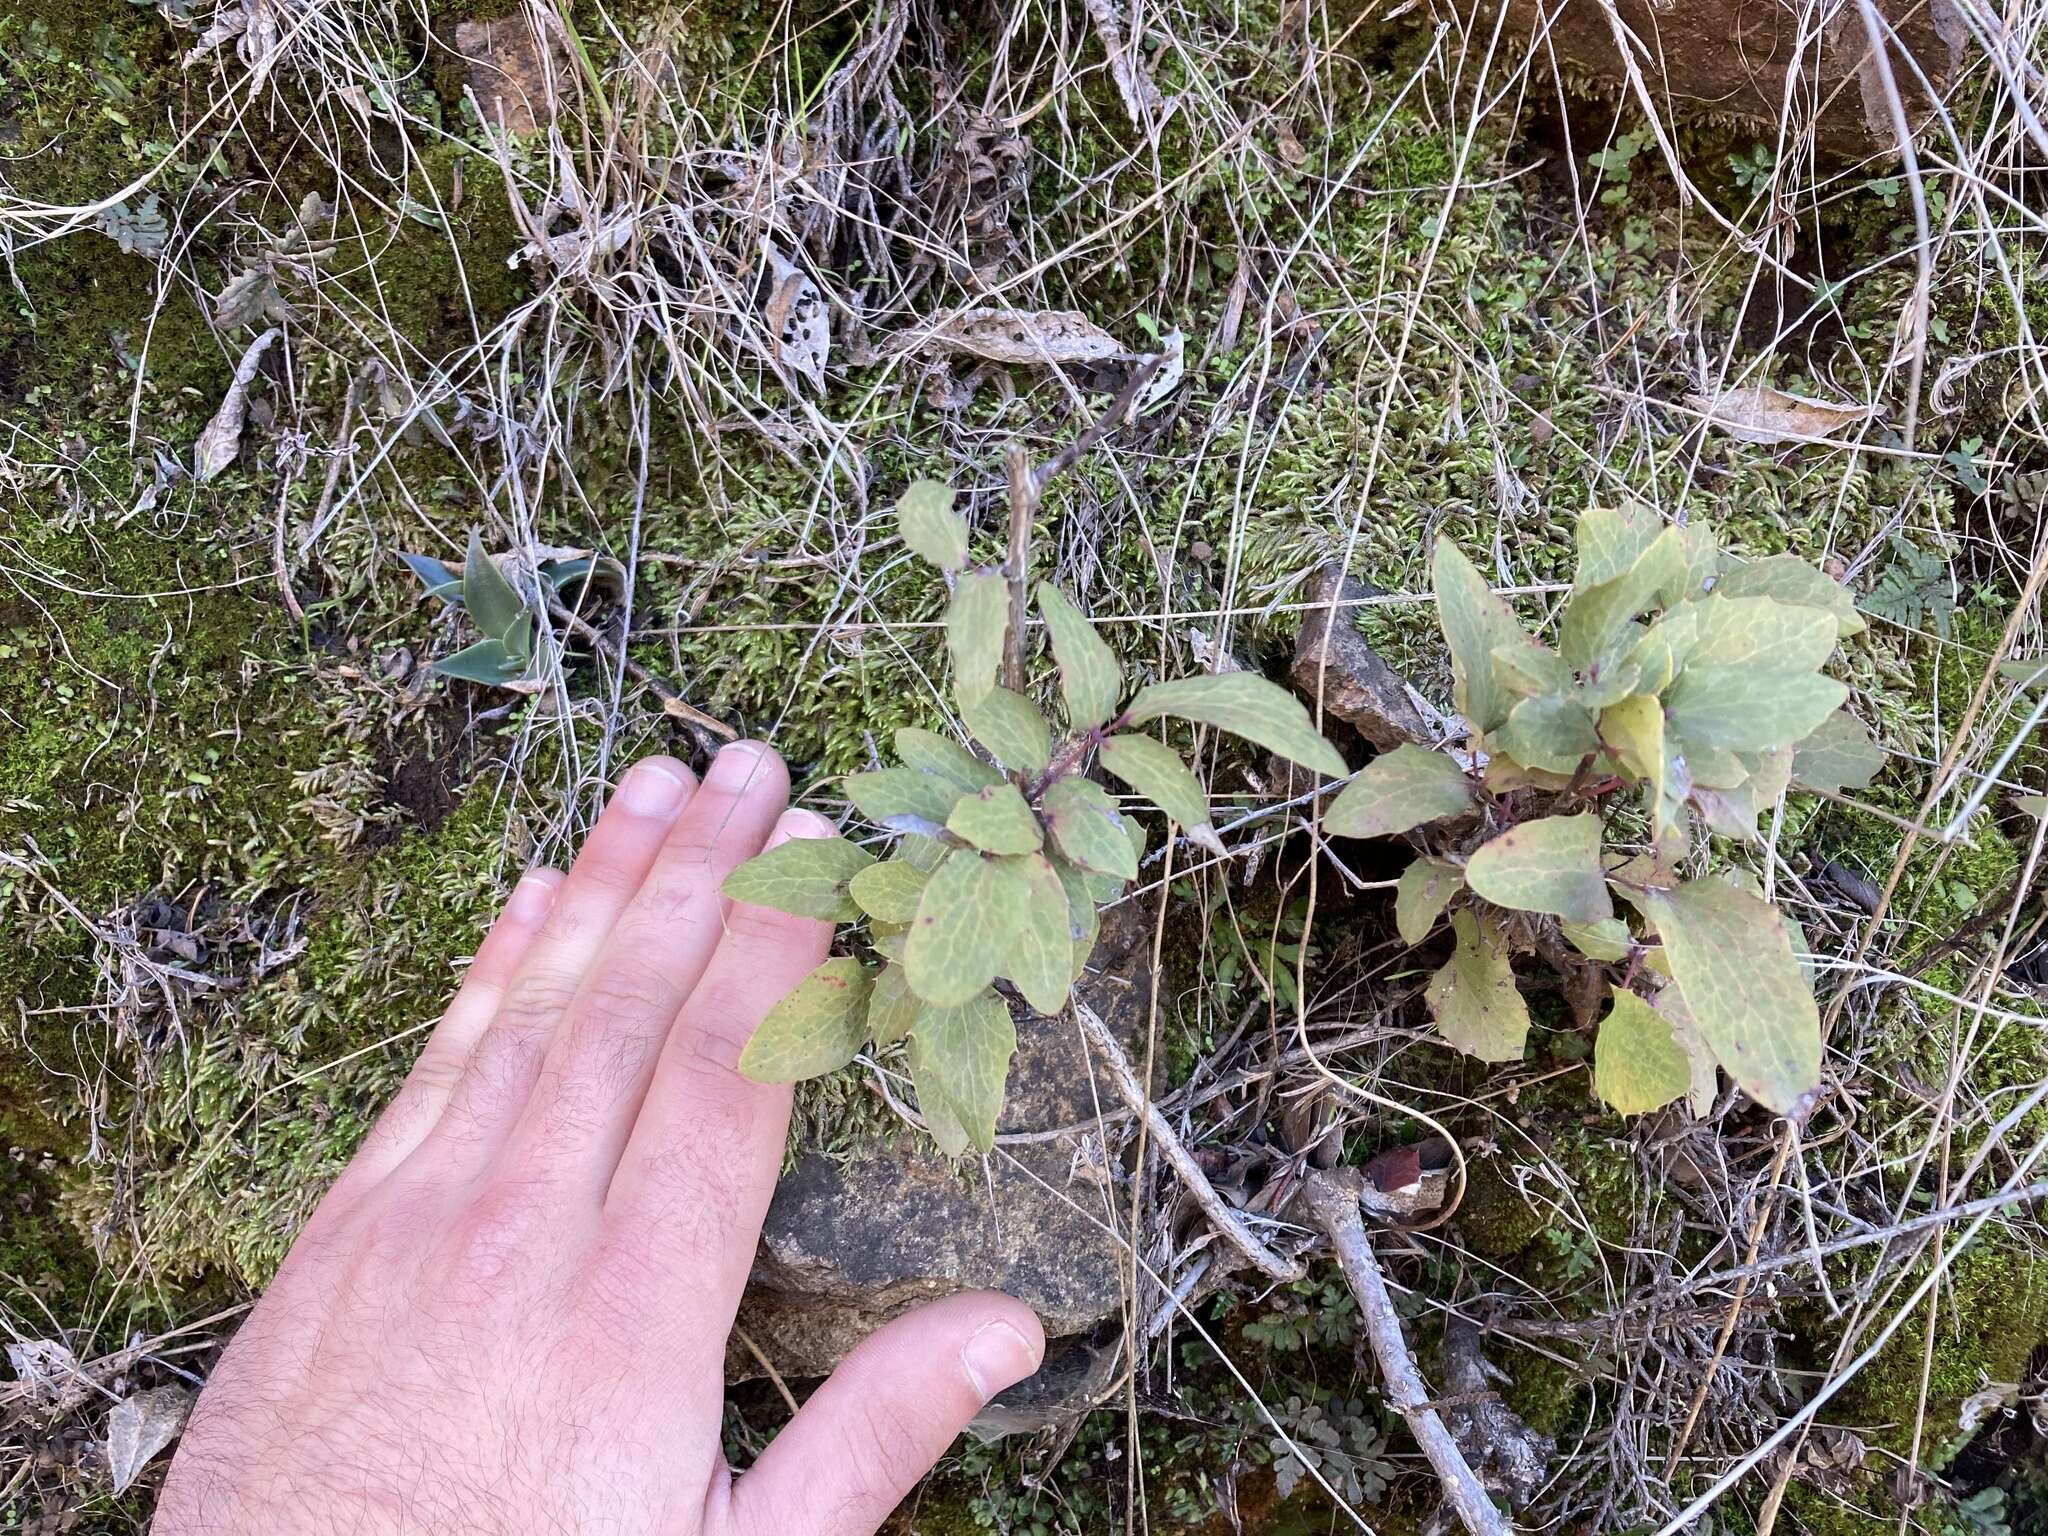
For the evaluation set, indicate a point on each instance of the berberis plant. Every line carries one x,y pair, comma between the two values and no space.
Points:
1711,710
999,864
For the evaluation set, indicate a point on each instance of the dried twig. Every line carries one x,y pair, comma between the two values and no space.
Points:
671,701
1213,1205
1333,1197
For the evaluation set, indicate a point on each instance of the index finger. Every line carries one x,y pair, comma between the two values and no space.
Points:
704,1152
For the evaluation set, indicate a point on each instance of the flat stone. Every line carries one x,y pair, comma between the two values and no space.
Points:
511,71
847,1245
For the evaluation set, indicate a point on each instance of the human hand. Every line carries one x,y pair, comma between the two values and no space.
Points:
510,1313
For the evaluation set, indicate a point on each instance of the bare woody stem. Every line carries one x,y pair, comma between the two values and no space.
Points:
709,728
1333,1198
1017,564
1214,1206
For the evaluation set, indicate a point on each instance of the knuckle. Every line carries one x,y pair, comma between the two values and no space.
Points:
763,927
491,1241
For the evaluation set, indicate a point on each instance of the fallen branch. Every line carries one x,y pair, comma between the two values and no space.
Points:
1214,1206
1333,1198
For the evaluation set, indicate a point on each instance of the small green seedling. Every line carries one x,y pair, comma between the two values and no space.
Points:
1001,862
505,656
1711,710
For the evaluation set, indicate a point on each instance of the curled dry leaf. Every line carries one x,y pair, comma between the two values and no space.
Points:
1760,414
799,329
1032,338
222,440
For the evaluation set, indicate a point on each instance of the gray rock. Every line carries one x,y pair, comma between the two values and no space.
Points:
1331,657
849,1245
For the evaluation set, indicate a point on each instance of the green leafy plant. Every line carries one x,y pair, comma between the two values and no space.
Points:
506,654
1915,589
1614,164
1708,712
1000,861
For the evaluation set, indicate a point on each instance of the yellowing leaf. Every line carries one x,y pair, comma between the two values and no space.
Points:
996,820
1742,709
818,1028
1610,542
1525,667
960,1060
1091,682
1637,1066
806,875
1837,755
1596,619
1663,649
892,1007
1011,727
977,626
1633,730
1088,828
1156,772
954,948
888,892
1731,956
1548,865
1789,579
1473,996
902,799
1246,705
929,525
1607,940
1420,896
1474,622
1761,632
1398,791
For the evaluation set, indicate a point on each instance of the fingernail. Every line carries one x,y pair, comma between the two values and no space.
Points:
532,896
736,766
795,823
998,1356
654,787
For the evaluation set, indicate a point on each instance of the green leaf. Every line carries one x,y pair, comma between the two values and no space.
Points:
1011,727
486,593
1548,865
892,1007
929,525
1246,705
487,662
977,625
1424,890
923,854
960,1059
1090,679
1596,618
1699,1060
1789,579
1156,772
1731,956
1038,950
1548,732
1742,709
808,876
818,1028
1607,940
1088,828
903,799
436,576
1083,921
1398,791
887,892
2031,672
1610,542
1637,1065
1525,667
1838,755
955,944
1474,622
1702,564
1663,649
927,752
1760,632
996,820
1473,996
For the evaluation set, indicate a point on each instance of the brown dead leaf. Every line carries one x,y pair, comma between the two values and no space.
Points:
1032,338
221,442
1760,414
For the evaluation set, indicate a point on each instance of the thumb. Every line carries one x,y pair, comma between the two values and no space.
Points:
876,1426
